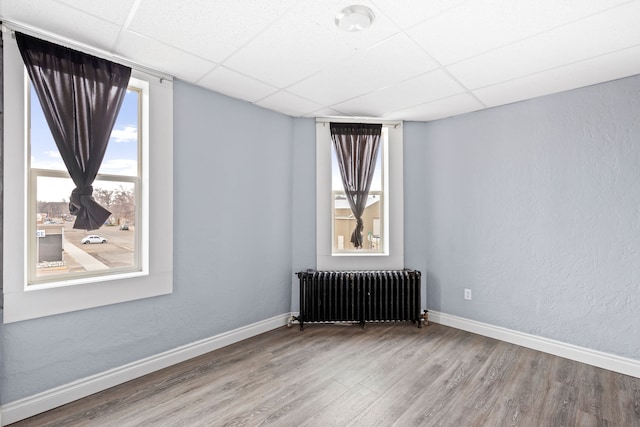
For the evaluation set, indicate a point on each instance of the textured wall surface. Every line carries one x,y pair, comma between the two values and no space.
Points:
304,203
535,206
415,201
232,254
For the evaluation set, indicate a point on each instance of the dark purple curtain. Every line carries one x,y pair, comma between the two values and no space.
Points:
356,147
81,96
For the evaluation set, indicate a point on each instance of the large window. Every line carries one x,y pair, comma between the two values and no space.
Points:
57,251
47,268
383,231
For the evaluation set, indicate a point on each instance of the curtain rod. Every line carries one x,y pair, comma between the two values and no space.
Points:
66,42
341,119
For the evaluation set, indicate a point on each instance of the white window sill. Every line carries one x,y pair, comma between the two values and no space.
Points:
359,254
85,280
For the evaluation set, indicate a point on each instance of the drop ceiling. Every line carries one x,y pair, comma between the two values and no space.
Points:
420,60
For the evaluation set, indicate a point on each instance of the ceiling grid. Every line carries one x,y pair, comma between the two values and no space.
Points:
418,60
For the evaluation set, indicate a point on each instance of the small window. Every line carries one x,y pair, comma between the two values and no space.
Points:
57,251
374,235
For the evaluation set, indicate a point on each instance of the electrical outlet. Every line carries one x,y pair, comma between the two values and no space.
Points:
467,294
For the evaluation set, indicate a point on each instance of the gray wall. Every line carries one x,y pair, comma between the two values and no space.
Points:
304,203
232,254
415,201
535,206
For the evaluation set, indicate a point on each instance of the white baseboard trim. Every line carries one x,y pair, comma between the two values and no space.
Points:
41,402
596,358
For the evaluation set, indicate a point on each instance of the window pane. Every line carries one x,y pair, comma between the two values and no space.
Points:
44,152
121,157
345,223
336,179
62,250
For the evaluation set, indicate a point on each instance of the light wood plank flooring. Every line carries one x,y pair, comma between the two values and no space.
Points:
384,375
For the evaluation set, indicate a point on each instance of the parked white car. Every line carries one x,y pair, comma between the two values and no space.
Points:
94,238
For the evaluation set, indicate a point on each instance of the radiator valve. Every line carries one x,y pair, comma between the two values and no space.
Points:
425,318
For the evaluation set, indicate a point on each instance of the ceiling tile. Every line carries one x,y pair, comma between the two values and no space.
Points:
115,11
211,29
325,112
613,66
439,109
305,41
158,56
609,31
480,26
236,85
62,21
372,69
424,88
288,104
406,13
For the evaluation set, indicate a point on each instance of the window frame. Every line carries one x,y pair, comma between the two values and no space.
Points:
392,256
142,88
23,301
383,156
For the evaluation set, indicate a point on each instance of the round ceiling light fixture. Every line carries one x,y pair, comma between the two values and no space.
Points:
354,18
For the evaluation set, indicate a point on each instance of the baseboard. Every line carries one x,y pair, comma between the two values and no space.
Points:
41,402
599,359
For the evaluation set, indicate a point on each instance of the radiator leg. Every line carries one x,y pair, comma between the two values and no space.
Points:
293,319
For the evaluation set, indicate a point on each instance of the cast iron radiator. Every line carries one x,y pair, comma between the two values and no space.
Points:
359,296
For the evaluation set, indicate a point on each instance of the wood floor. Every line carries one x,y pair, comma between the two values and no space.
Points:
384,375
